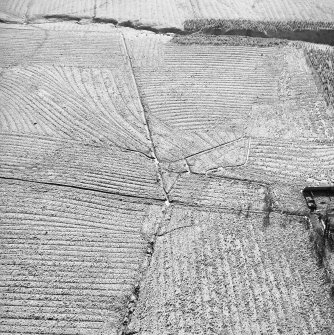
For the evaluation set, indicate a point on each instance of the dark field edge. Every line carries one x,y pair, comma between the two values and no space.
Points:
129,197
322,63
52,18
232,40
314,32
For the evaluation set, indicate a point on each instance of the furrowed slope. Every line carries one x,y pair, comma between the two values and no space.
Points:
290,162
196,99
70,85
71,163
205,104
69,258
81,195
224,273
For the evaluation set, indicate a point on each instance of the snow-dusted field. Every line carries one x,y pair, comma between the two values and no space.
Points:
150,184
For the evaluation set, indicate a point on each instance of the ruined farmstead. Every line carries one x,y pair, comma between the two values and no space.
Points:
166,167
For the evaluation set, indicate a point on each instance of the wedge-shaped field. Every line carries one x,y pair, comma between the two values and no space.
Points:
69,258
205,101
223,273
246,112
294,163
72,85
71,163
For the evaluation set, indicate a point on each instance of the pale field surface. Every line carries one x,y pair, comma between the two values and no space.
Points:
217,272
74,85
237,111
100,125
63,162
69,257
24,10
160,14
80,194
199,190
280,10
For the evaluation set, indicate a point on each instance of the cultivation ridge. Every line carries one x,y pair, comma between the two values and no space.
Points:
224,273
66,48
71,163
205,105
69,258
290,162
92,120
59,90
165,15
206,192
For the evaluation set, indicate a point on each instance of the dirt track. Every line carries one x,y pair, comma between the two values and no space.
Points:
151,184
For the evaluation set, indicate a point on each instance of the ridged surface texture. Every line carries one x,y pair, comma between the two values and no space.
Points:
69,258
162,14
151,185
223,273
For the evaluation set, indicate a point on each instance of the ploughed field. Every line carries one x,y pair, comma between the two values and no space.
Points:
160,14
150,184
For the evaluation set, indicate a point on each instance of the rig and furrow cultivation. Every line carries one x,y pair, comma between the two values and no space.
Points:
288,162
71,163
200,190
282,10
179,94
94,103
70,257
58,47
227,273
201,101
91,242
